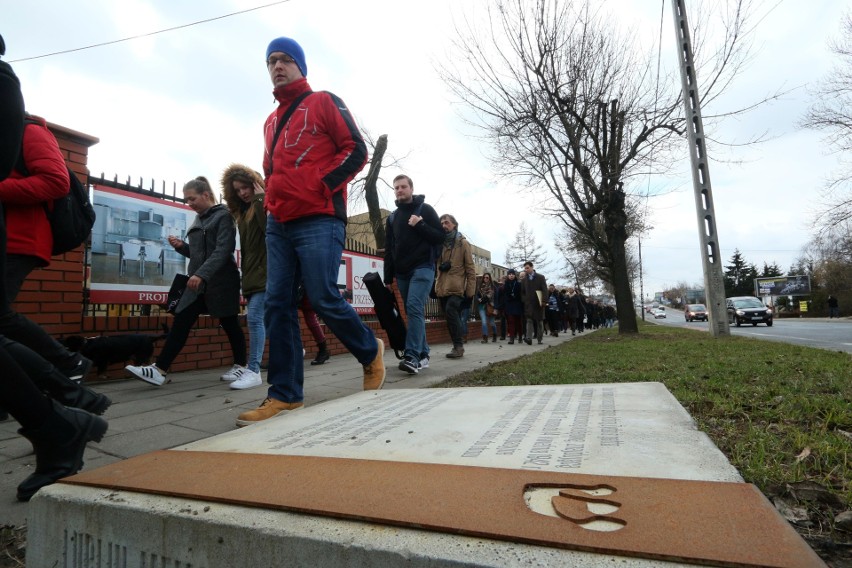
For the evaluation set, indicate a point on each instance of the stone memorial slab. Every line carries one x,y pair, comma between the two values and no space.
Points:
635,429
618,469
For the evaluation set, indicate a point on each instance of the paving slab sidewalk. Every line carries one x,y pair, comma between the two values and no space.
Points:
197,405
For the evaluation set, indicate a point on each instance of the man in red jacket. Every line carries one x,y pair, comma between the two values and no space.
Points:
313,149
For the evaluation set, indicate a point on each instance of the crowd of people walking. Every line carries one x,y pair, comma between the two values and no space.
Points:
291,224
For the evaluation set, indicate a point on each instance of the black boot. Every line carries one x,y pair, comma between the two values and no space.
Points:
68,393
484,339
59,445
512,340
494,338
54,382
322,356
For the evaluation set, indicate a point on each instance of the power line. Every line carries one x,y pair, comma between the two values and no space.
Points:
148,34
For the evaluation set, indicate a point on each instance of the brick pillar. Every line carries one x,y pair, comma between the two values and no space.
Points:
53,296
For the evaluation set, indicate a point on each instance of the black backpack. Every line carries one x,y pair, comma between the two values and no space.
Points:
71,216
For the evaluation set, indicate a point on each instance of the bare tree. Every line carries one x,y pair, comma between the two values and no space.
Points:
524,248
831,112
365,188
576,109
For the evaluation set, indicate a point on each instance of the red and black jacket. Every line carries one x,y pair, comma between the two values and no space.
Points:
319,151
23,196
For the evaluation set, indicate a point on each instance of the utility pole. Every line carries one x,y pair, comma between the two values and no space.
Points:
714,283
641,282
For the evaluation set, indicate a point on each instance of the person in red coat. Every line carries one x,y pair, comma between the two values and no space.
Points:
313,150
28,237
24,195
59,434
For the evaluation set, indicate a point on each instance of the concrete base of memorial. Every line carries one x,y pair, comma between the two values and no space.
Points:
632,430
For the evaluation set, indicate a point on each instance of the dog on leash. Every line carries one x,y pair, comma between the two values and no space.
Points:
106,350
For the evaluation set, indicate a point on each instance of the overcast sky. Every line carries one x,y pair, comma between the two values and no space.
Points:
188,102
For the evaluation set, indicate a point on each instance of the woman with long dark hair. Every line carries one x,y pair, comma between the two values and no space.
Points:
485,296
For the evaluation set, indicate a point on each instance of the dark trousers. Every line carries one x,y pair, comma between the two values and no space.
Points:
452,310
185,319
515,325
18,328
18,267
18,394
534,329
553,321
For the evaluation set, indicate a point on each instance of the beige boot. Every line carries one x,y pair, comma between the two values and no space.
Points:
374,373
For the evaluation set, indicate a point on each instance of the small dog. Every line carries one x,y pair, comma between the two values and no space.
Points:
108,349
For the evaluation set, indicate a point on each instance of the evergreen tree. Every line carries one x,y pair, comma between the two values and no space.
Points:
770,270
524,248
739,276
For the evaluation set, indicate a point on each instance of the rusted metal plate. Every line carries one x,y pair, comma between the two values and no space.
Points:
701,522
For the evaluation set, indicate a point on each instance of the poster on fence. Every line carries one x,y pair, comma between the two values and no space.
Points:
131,261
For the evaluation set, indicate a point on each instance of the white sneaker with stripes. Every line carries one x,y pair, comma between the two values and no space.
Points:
148,373
234,373
248,380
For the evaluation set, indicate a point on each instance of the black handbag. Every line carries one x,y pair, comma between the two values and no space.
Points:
176,292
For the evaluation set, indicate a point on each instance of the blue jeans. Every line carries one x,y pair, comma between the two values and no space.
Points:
306,250
415,293
256,328
486,320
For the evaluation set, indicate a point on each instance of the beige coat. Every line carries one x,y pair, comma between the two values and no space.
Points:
460,279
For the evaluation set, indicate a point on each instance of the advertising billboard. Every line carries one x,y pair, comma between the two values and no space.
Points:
783,286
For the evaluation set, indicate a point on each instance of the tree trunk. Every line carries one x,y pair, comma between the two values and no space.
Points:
371,195
615,219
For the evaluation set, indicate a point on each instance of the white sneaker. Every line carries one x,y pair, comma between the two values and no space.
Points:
149,373
248,380
234,373
424,363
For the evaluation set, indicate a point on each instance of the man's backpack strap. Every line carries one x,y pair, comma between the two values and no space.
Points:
281,123
416,211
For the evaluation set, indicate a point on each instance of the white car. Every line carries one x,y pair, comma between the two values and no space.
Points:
658,313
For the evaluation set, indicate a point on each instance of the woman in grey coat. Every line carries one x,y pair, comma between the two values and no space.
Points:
213,287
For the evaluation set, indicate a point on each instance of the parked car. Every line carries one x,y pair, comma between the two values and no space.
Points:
658,313
748,309
695,312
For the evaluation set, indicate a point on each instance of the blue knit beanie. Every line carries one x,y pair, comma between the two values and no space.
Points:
289,47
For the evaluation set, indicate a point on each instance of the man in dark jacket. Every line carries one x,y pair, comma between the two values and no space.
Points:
534,286
412,233
313,149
